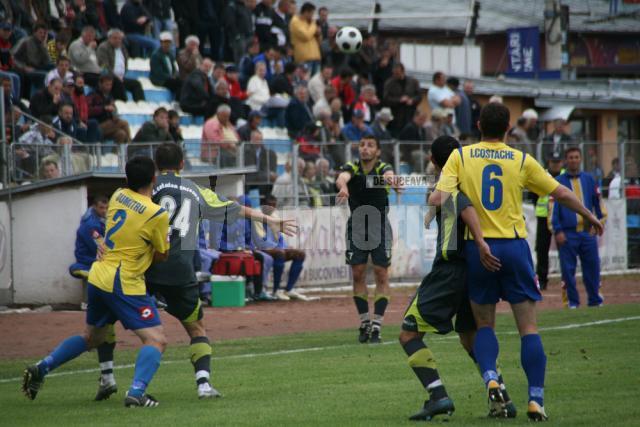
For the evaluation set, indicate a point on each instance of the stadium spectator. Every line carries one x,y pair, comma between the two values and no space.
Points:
363,61
463,109
163,67
274,60
238,23
32,60
319,82
324,102
440,95
189,58
107,15
356,129
283,83
517,137
160,11
382,134
331,53
222,96
305,38
219,133
263,14
344,88
218,72
611,184
533,131
283,189
323,21
136,20
448,126
266,162
367,103
253,123
413,136
309,135
402,94
313,186
186,17
67,124
232,77
246,64
40,135
7,63
280,27
326,180
468,88
82,53
298,113
258,88
383,67
156,130
92,225
557,142
275,246
113,57
174,126
46,101
102,108
50,169
197,91
301,75
210,26
573,236
61,72
497,99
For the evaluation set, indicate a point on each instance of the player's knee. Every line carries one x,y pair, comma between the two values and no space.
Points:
406,336
93,340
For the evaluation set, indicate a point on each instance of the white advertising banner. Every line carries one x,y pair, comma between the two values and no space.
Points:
322,236
5,248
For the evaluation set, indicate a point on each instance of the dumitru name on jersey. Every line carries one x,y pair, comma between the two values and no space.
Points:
381,181
483,153
176,187
130,203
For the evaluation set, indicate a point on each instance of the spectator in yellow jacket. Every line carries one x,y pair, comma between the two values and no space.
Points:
305,38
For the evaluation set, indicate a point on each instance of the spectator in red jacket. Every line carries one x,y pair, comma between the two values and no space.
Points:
232,77
342,83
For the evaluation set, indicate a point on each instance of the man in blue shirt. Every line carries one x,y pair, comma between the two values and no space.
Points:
92,225
573,235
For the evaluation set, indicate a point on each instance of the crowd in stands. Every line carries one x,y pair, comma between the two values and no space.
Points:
238,65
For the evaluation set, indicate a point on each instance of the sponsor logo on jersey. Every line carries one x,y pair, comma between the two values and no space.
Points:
146,313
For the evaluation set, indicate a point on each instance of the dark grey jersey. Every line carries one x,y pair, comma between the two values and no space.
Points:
186,203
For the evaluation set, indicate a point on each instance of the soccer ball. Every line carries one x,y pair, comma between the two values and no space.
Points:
349,39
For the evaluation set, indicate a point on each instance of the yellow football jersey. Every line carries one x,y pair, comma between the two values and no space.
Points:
136,228
493,175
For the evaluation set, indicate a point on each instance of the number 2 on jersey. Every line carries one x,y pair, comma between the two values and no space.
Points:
118,219
491,182
181,220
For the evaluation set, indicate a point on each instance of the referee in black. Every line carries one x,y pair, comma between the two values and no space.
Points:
366,184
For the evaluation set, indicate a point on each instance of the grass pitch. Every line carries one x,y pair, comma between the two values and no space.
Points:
593,378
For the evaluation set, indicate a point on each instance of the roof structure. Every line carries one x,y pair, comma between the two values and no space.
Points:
587,16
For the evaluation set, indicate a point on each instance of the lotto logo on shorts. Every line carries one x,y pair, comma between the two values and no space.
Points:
146,313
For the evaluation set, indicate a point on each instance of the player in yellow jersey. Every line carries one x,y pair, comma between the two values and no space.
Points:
136,235
493,176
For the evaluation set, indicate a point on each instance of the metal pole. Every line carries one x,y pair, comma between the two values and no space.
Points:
623,167
66,155
396,156
3,140
294,174
122,156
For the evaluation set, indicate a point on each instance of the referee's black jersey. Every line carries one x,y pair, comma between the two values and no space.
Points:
360,194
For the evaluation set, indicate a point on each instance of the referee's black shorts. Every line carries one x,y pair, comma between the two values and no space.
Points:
364,240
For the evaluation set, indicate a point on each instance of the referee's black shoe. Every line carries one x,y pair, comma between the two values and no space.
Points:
364,331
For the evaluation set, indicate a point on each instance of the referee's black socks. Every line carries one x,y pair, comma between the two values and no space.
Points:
379,307
362,305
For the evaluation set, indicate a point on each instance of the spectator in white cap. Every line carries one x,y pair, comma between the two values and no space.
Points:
533,131
164,70
496,99
189,58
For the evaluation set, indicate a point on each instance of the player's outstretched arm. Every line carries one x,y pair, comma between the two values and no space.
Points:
567,198
488,260
389,177
438,197
278,225
341,184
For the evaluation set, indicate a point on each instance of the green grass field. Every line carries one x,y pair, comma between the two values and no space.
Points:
593,378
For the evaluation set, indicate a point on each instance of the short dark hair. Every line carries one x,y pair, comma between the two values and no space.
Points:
572,150
50,162
522,121
218,66
399,65
62,58
323,8
290,68
494,120
173,114
64,104
442,148
346,72
307,7
436,76
140,171
169,156
159,111
105,77
40,26
100,198
371,137
453,81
